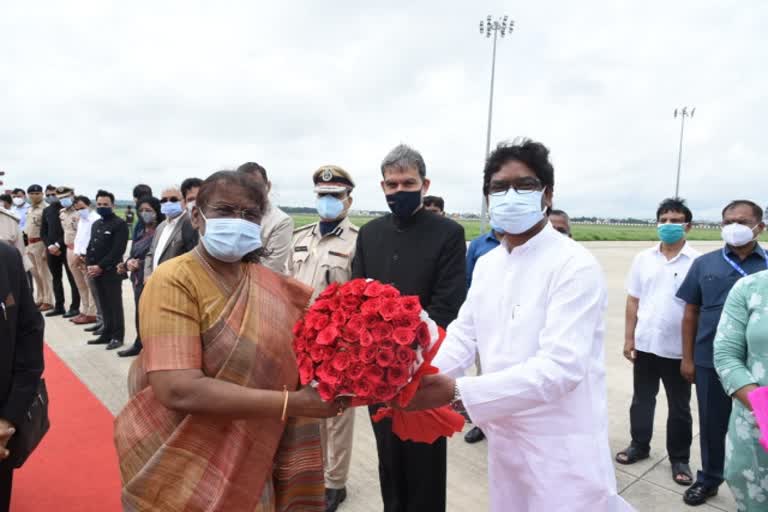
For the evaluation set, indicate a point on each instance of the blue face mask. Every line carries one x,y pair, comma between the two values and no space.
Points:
515,213
229,240
66,202
171,210
329,208
670,233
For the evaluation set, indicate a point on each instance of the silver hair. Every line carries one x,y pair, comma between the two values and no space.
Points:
403,157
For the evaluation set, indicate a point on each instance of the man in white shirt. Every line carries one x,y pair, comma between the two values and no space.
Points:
90,310
534,314
653,340
20,207
276,226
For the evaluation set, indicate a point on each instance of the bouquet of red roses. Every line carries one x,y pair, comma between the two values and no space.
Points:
363,339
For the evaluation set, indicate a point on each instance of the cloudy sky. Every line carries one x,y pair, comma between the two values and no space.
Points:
109,94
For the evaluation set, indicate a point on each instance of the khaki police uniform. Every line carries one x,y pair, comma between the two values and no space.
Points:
36,251
70,218
10,232
318,261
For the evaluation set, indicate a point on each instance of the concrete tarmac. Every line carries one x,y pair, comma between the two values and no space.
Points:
647,485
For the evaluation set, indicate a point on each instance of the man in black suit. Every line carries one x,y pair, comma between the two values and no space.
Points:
21,356
52,234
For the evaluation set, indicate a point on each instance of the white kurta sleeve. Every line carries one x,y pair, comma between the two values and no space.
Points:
566,349
457,353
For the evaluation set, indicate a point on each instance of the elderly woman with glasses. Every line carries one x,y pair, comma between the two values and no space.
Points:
216,421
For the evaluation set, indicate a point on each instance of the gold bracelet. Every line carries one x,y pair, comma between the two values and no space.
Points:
285,403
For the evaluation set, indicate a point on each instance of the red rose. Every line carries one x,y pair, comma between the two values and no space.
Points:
356,323
370,307
316,353
405,355
408,321
373,289
422,335
299,344
403,336
330,290
350,302
327,335
306,369
371,319
355,287
389,309
355,370
298,327
411,305
354,352
389,291
322,305
387,344
397,375
317,321
334,302
345,387
326,391
349,335
373,373
368,354
327,373
362,388
385,357
338,318
383,392
381,331
341,361
328,353
366,338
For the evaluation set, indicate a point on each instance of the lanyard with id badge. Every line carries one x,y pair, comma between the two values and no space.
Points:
737,267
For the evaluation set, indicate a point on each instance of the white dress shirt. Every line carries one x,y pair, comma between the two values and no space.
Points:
277,239
535,316
654,280
164,237
83,236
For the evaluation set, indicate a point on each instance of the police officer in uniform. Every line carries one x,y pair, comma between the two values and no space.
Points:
322,254
36,250
10,233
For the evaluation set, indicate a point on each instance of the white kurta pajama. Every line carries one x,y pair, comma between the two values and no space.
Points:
535,316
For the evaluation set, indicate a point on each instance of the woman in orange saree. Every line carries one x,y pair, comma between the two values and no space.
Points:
215,421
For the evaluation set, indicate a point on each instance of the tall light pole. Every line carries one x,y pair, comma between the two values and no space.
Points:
682,113
490,27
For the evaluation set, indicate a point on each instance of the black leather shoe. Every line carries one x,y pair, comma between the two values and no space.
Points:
474,436
72,313
698,493
114,344
94,328
334,498
131,351
55,312
98,341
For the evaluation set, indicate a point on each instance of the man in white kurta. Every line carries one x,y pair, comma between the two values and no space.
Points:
535,316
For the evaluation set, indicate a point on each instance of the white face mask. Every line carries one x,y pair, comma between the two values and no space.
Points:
515,213
190,205
18,201
737,235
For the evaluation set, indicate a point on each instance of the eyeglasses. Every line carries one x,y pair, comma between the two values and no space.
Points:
173,199
227,211
521,186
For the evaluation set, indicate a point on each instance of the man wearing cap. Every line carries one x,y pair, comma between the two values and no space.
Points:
276,226
70,220
36,250
322,254
52,233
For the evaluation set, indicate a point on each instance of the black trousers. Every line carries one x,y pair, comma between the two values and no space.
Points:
137,289
412,475
6,481
56,264
109,286
714,414
649,370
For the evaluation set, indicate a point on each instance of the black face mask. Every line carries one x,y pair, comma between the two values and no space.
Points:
404,203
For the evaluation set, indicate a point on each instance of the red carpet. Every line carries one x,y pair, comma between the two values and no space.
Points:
75,467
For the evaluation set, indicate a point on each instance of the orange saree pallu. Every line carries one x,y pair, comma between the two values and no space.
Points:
170,461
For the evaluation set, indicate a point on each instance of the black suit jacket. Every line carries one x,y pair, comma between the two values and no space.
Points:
51,230
21,338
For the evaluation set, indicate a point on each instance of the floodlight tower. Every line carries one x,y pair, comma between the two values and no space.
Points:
682,113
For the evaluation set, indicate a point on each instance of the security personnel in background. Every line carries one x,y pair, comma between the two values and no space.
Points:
10,233
36,250
322,254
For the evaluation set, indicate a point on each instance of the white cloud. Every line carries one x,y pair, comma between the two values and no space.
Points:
100,94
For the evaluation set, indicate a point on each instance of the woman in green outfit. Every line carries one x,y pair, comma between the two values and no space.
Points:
741,360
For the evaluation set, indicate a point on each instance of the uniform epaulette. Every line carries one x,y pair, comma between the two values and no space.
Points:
303,228
10,214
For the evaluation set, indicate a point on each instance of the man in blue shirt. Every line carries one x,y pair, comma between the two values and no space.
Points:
704,291
478,247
